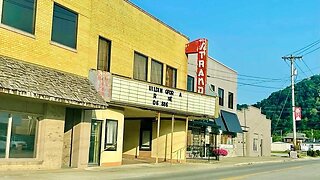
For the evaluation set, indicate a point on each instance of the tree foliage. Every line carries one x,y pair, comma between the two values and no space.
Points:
307,96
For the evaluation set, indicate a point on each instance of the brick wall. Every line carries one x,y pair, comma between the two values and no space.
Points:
128,28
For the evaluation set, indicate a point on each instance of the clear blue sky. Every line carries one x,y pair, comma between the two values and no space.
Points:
250,36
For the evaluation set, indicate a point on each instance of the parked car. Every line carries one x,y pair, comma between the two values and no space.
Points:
3,142
15,143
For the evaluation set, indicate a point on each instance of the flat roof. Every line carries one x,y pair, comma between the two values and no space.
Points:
153,17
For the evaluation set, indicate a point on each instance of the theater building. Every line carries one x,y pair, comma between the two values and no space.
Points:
89,82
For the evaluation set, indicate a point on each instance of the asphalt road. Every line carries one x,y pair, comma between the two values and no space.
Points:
291,170
302,170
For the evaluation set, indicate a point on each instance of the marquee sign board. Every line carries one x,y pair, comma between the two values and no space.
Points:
156,96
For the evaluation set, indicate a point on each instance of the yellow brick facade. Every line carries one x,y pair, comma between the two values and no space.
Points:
128,28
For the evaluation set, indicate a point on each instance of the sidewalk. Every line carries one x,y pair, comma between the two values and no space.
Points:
136,170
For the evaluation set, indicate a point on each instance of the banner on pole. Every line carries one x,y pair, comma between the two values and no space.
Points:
297,113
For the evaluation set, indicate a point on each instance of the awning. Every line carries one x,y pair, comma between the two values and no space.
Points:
232,122
220,123
38,82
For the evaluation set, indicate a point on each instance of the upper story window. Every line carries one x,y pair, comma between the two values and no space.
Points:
171,77
221,95
213,88
156,72
230,100
104,50
190,84
19,14
64,26
140,70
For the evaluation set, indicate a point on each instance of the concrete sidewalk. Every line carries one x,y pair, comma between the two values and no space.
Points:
137,170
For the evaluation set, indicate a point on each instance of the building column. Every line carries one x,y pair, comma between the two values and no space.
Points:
50,136
81,141
172,130
186,143
158,134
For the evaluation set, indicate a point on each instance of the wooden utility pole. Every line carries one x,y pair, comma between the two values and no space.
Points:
292,59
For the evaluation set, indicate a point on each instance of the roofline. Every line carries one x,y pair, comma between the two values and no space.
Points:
222,64
158,20
33,95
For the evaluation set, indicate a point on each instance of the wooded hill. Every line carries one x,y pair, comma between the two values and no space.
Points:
307,96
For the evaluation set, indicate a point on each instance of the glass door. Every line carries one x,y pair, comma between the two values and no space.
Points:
95,142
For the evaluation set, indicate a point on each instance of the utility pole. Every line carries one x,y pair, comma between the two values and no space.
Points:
292,59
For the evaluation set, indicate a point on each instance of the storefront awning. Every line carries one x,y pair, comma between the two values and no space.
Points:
38,82
231,121
220,123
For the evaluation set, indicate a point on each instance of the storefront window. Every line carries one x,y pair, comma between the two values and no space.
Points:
3,133
111,135
22,138
226,139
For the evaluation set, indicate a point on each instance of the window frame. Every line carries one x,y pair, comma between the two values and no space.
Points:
221,98
38,117
146,69
255,144
175,78
158,62
18,30
192,87
76,27
106,148
230,101
109,53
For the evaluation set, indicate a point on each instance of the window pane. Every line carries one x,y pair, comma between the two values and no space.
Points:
64,26
19,14
190,84
140,67
111,135
22,144
3,133
146,136
171,77
230,100
104,55
156,72
221,95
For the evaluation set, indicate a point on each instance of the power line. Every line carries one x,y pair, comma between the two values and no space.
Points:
307,66
311,51
248,84
305,48
244,75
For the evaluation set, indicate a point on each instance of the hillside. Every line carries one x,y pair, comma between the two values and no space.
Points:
307,96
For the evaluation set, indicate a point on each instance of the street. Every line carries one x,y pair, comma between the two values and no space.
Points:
301,169
287,170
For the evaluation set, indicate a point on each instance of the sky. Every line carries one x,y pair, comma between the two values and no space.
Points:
249,36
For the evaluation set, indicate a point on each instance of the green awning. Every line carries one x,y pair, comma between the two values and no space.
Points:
231,121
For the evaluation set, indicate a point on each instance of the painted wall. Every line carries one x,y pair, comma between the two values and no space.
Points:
131,137
128,28
220,76
111,158
259,127
179,140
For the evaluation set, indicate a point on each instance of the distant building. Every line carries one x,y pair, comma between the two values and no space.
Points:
301,137
256,139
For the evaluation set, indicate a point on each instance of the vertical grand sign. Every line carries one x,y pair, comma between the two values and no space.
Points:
200,46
